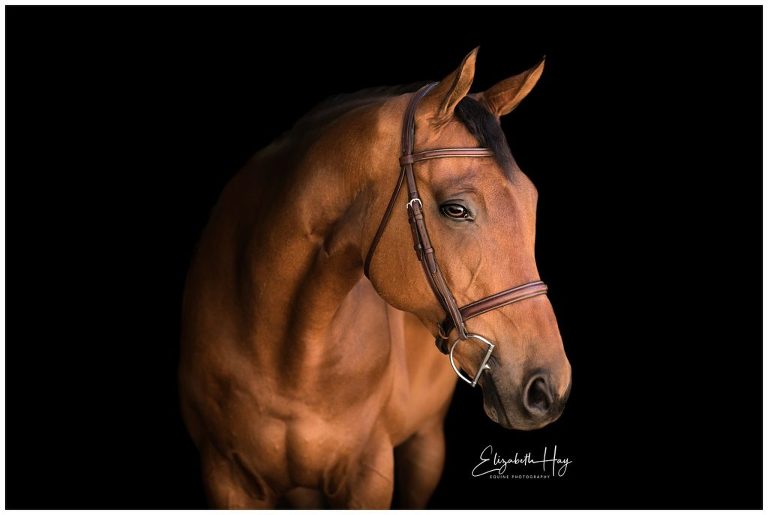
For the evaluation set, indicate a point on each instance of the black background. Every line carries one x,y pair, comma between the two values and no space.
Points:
643,137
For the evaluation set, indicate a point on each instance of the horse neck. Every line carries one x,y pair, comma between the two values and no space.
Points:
307,255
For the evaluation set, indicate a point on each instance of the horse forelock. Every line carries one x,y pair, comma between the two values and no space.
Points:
484,126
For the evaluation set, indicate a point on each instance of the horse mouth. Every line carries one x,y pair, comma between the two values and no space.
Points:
492,404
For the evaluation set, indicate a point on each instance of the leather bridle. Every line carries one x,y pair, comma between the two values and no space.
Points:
456,316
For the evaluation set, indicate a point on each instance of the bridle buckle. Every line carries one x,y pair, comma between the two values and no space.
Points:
410,203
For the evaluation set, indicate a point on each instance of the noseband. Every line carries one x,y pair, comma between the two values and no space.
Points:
456,316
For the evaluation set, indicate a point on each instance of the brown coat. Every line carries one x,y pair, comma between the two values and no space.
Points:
302,381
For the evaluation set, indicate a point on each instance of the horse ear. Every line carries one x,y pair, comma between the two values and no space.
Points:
442,100
502,98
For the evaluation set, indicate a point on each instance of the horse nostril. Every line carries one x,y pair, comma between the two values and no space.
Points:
538,397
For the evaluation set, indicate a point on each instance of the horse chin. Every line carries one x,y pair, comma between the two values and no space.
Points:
497,414
492,404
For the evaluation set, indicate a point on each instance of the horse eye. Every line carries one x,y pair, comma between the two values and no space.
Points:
454,211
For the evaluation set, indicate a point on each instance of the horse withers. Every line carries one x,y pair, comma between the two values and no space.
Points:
305,382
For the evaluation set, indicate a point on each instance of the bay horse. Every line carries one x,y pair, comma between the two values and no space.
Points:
306,374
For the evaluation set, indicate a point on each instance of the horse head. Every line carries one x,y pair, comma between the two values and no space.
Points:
480,216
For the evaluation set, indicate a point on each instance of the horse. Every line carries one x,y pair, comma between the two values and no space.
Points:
307,378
